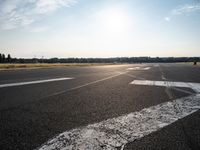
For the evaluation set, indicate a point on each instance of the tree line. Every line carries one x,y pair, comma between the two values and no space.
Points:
5,59
9,59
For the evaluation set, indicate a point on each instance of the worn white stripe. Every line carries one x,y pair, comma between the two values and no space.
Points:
194,86
116,132
32,82
135,68
139,68
147,68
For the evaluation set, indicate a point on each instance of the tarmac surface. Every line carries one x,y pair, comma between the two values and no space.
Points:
32,113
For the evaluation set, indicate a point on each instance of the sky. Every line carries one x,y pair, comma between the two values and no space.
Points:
100,28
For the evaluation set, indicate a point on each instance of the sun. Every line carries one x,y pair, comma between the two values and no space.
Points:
115,19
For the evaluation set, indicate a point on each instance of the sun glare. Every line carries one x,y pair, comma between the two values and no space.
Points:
115,19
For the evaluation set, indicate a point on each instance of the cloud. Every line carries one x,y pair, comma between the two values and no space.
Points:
46,6
39,29
20,13
186,9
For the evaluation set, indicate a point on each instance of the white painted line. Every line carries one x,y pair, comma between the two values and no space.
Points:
33,82
129,69
147,68
87,84
139,68
116,132
135,68
194,86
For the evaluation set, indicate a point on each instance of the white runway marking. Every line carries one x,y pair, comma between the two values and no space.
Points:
33,82
146,68
139,68
135,68
87,84
115,133
194,86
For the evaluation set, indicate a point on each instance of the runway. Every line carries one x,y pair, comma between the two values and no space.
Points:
124,106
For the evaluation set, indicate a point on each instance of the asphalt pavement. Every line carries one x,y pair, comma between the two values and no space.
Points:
33,113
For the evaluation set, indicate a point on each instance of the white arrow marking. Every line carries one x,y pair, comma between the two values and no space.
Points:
33,82
194,86
116,132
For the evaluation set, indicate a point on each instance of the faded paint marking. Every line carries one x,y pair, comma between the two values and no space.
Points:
86,84
116,132
33,82
194,86
139,68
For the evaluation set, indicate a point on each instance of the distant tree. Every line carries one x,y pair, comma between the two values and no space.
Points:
9,58
0,58
3,58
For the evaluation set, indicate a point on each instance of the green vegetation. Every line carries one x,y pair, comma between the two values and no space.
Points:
7,62
190,63
43,65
